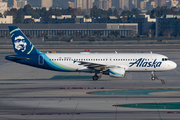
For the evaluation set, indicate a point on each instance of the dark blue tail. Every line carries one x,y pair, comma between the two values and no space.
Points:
21,44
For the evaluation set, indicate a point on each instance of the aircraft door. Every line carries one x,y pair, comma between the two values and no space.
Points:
41,60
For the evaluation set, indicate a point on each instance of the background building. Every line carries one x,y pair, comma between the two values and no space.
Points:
169,24
21,3
61,4
90,4
6,20
91,29
71,4
106,4
161,2
14,4
121,4
81,4
46,3
126,4
98,3
3,7
35,3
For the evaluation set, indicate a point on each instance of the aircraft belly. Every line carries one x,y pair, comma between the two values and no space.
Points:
66,66
144,69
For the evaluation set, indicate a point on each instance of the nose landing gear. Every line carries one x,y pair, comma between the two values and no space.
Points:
154,77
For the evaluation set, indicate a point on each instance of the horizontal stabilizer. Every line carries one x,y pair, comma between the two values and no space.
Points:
19,58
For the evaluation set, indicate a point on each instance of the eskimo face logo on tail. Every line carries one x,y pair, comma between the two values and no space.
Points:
142,63
20,43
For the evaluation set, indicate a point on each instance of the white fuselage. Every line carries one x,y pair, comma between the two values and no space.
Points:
129,61
112,64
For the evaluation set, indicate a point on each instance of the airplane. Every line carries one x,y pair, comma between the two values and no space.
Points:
112,64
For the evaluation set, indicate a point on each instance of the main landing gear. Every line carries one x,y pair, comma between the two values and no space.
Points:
96,77
154,77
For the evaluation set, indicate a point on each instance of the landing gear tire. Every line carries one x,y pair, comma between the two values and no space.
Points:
95,78
153,78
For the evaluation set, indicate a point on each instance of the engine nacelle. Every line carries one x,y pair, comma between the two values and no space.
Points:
117,72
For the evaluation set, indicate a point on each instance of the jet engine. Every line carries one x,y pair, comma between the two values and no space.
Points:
116,72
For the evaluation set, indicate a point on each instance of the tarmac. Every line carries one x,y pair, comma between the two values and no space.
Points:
28,93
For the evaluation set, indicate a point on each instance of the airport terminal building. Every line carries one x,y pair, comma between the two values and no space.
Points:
90,29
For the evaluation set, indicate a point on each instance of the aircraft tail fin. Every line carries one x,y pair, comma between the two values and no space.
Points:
20,42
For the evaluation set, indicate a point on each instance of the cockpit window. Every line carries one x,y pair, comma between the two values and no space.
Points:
165,59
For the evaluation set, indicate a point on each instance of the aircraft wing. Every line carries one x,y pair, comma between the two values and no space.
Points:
95,66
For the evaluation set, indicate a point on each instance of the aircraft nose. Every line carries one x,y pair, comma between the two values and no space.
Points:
173,65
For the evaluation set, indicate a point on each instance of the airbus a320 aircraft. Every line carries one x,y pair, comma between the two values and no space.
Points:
112,64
